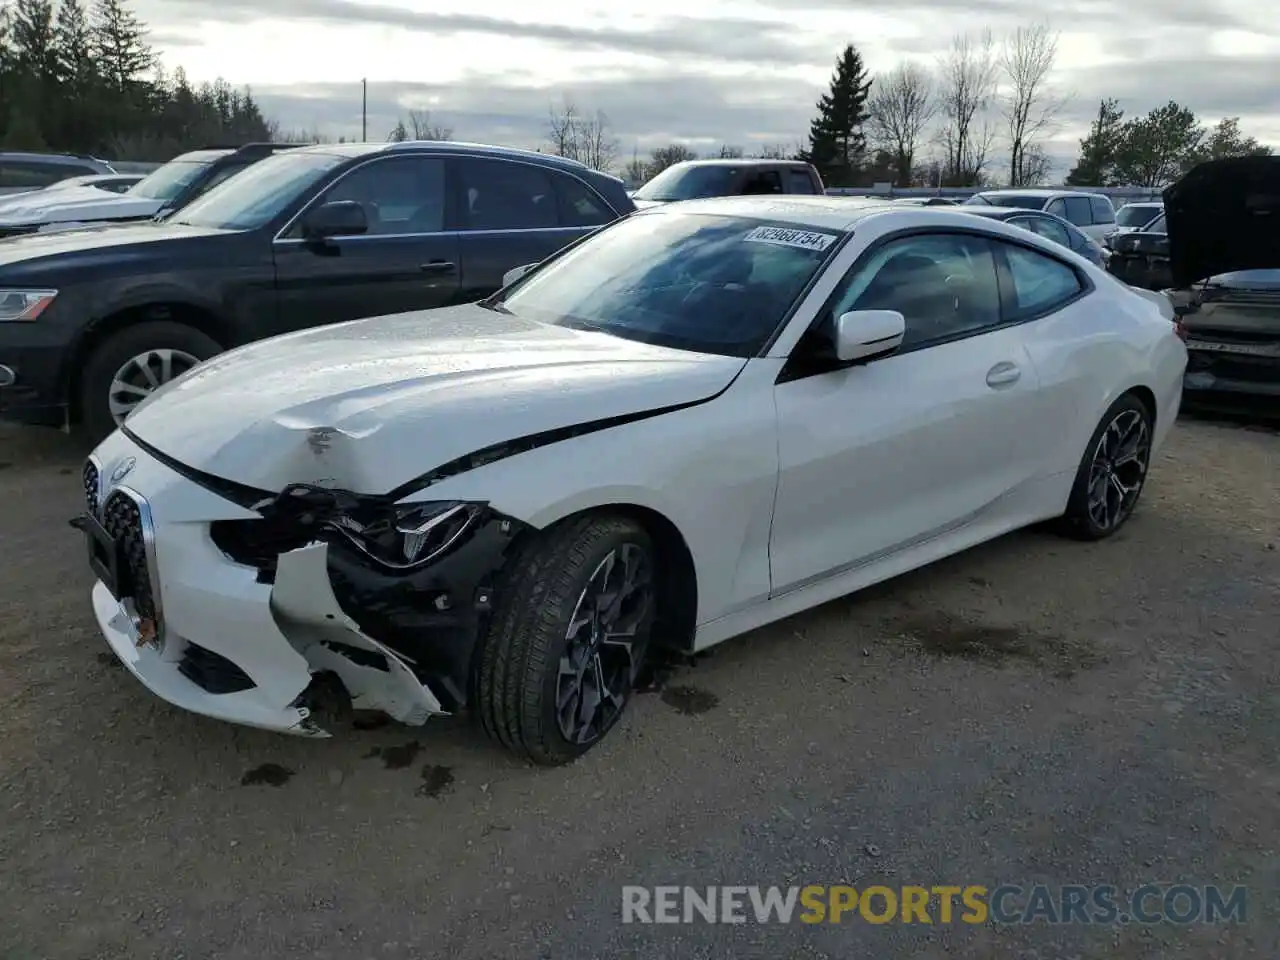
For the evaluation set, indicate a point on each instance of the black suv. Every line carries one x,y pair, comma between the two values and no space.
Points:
93,320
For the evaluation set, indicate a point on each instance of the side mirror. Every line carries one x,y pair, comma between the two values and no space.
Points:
340,218
511,276
866,334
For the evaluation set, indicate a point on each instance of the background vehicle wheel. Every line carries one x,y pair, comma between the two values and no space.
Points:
130,364
570,632
1112,473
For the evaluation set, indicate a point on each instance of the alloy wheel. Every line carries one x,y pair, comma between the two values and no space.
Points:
1118,469
142,375
605,646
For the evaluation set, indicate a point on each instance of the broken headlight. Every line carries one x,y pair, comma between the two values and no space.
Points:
413,534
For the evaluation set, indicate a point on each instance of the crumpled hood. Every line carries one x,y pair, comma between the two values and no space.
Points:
1224,216
81,204
372,404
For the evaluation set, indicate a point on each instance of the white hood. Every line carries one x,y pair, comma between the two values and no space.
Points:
372,404
74,204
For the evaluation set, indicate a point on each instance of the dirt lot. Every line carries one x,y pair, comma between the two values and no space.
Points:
1034,710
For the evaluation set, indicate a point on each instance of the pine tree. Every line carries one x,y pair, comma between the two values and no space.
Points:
120,44
837,143
1100,150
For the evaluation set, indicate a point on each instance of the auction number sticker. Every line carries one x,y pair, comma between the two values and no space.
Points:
804,239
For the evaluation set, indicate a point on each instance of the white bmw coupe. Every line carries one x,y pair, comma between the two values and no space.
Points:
698,420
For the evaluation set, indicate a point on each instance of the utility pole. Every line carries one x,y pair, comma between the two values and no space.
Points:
364,111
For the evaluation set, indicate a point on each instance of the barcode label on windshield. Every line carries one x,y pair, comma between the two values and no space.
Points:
804,239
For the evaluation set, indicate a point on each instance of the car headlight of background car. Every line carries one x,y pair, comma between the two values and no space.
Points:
22,304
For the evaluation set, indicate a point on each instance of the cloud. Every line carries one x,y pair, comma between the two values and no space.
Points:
730,39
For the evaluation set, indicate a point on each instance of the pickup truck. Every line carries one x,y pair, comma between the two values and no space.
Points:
695,179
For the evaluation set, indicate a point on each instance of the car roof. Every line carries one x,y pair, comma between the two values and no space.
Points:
832,213
739,162
444,146
203,156
1039,193
1002,213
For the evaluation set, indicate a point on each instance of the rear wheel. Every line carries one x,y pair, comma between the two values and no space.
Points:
1113,472
131,364
560,659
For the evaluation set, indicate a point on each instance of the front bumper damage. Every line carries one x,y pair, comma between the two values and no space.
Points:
259,643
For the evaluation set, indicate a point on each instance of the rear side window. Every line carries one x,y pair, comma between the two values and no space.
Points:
799,181
33,173
1040,283
507,195
1078,211
578,205
762,182
1103,212
1049,229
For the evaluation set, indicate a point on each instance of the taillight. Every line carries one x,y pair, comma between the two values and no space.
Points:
1180,329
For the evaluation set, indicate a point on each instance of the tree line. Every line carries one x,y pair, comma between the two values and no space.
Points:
981,114
80,77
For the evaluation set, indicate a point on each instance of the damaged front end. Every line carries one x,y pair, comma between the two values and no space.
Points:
256,608
390,598
1233,339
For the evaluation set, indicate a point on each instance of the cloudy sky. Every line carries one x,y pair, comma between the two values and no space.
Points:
744,73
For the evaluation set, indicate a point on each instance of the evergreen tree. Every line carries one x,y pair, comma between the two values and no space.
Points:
120,44
1100,150
837,143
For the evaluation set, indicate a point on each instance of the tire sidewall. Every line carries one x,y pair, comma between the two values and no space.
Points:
1078,511
548,719
117,349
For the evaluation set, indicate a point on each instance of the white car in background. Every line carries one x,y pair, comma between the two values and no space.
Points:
700,419
1091,213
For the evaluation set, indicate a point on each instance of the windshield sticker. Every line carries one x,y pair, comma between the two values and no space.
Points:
804,239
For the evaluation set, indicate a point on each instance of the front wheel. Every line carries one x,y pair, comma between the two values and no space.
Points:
131,364
1113,472
560,658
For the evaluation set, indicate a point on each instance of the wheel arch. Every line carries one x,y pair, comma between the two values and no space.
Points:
678,573
174,309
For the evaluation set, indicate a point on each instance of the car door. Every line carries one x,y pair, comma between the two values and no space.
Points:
406,260
877,457
513,213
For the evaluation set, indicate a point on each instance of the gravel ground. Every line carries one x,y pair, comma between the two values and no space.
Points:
1033,710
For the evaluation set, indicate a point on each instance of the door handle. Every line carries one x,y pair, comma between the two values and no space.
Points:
1003,374
438,267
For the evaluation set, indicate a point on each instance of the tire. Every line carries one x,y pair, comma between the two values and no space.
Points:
110,357
518,677
1117,459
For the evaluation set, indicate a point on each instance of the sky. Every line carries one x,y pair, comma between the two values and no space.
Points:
745,73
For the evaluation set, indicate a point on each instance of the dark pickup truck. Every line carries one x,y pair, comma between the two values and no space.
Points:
696,179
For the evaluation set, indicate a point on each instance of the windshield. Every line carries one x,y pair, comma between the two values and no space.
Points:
1022,201
708,284
688,183
1156,225
168,181
259,194
1136,215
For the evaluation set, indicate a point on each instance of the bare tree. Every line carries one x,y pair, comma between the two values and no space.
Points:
1029,107
777,151
967,75
901,106
562,129
636,171
421,128
730,152
596,146
587,139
